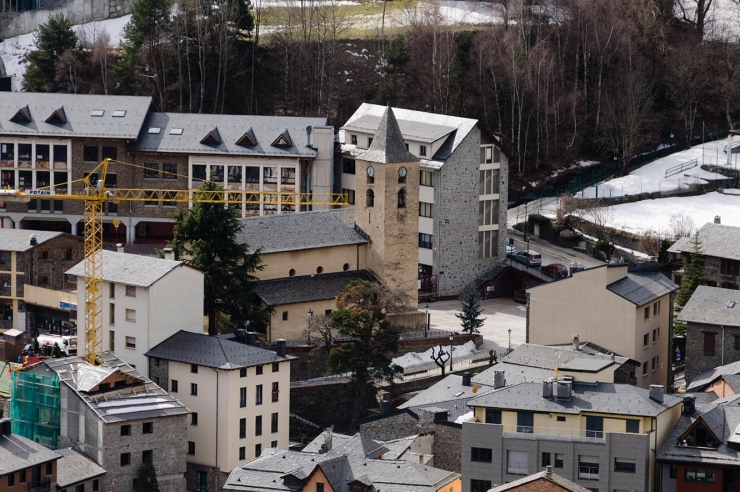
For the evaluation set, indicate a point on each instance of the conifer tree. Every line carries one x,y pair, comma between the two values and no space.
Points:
470,319
147,478
694,273
53,39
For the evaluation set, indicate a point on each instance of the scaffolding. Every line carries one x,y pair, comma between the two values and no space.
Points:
35,406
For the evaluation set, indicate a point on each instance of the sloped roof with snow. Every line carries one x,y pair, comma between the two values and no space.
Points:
125,268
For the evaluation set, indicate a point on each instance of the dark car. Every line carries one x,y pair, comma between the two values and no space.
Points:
555,270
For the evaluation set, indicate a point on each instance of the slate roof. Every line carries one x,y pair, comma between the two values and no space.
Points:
231,128
19,240
388,146
17,453
75,467
216,352
513,373
125,268
642,288
586,365
342,465
449,395
77,109
610,398
299,231
716,240
291,290
558,480
710,305
418,130
550,357
149,400
705,378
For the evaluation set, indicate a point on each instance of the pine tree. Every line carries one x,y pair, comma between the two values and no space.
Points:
694,273
53,39
207,238
147,478
470,319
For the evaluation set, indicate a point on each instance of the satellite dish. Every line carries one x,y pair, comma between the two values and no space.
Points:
475,388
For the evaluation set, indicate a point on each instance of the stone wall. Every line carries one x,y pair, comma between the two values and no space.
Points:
159,372
696,360
323,405
447,446
35,267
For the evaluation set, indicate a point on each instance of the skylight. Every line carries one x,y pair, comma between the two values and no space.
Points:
155,130
175,131
119,113
97,112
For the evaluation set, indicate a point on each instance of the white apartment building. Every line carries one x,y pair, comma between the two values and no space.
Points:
145,301
239,396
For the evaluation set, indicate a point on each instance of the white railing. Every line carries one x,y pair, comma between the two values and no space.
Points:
516,468
588,472
526,432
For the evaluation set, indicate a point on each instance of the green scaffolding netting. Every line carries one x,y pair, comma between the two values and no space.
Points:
35,406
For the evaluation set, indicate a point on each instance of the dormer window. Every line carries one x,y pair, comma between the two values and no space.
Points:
22,116
353,139
283,140
212,138
248,139
699,435
57,117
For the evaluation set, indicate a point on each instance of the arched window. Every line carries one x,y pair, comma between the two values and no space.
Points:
402,198
369,198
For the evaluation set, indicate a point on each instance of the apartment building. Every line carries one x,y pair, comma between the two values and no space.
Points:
145,300
463,191
626,312
25,464
238,395
717,247
31,260
603,436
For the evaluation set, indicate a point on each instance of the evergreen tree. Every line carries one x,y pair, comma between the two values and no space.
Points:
207,238
360,314
663,258
147,478
694,273
53,39
470,319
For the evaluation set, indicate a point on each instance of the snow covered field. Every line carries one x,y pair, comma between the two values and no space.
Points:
414,359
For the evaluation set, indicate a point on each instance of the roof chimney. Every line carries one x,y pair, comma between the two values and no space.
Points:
32,240
612,356
169,254
466,377
499,381
281,344
385,406
564,390
120,249
251,337
547,389
689,404
656,392
717,219
576,342
548,471
308,136
241,335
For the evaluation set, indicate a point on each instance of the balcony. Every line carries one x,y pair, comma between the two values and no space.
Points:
40,486
553,434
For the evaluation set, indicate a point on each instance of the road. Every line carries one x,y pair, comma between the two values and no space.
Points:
552,253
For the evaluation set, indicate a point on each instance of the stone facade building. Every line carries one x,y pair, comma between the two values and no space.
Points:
718,246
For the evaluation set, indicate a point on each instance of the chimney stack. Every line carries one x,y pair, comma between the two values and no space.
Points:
281,344
308,136
576,342
251,337
241,335
169,254
120,249
499,381
717,219
466,377
689,404
385,406
656,392
548,471
547,390
612,356
32,240
564,390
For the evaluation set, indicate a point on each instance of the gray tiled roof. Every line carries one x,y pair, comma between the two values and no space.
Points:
642,288
118,405
562,482
231,128
290,290
617,399
125,268
514,373
550,357
19,240
586,365
716,240
417,130
299,231
705,378
17,453
709,305
388,145
448,394
204,350
75,467
77,109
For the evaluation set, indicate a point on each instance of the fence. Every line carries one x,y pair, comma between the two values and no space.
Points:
681,167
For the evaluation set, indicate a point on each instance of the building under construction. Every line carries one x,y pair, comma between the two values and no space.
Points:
35,404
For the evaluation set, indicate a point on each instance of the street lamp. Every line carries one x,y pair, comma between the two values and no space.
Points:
451,339
509,339
426,319
308,337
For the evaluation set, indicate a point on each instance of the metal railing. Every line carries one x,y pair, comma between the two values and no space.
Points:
681,167
40,486
557,433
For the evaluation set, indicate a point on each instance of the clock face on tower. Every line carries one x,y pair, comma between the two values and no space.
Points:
402,172
370,171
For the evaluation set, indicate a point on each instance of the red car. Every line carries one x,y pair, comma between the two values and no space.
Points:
555,270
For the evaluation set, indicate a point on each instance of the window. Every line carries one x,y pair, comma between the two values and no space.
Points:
60,154
131,290
588,467
22,478
242,397
199,173
426,178
49,468
561,418
525,422
169,171
401,198
647,313
516,462
481,455
194,418
369,141
350,195
276,365
348,166
546,459
426,209
131,342
699,475
11,476
273,444
258,395
259,369
147,428
193,389
257,450
493,416
709,342
425,240
275,391
191,447
173,386
487,244
623,465
487,212
67,255
151,170
559,460
125,459
653,367
194,368
146,456
242,428
130,314
595,427
243,372
112,291
111,341
659,332
737,342
489,182
319,487
243,453
274,423
480,485
353,139
644,368
126,430
258,425
110,153
422,150
90,153
369,199
655,334
633,426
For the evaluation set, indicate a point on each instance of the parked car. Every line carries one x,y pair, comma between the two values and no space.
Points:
555,270
510,250
529,258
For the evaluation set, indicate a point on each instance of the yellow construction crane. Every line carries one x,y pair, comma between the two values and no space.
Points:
95,194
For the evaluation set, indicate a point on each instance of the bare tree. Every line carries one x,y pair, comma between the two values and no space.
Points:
602,217
440,358
101,59
695,12
682,225
649,243
687,77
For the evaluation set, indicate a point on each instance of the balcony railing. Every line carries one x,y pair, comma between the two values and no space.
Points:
40,486
588,472
553,433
